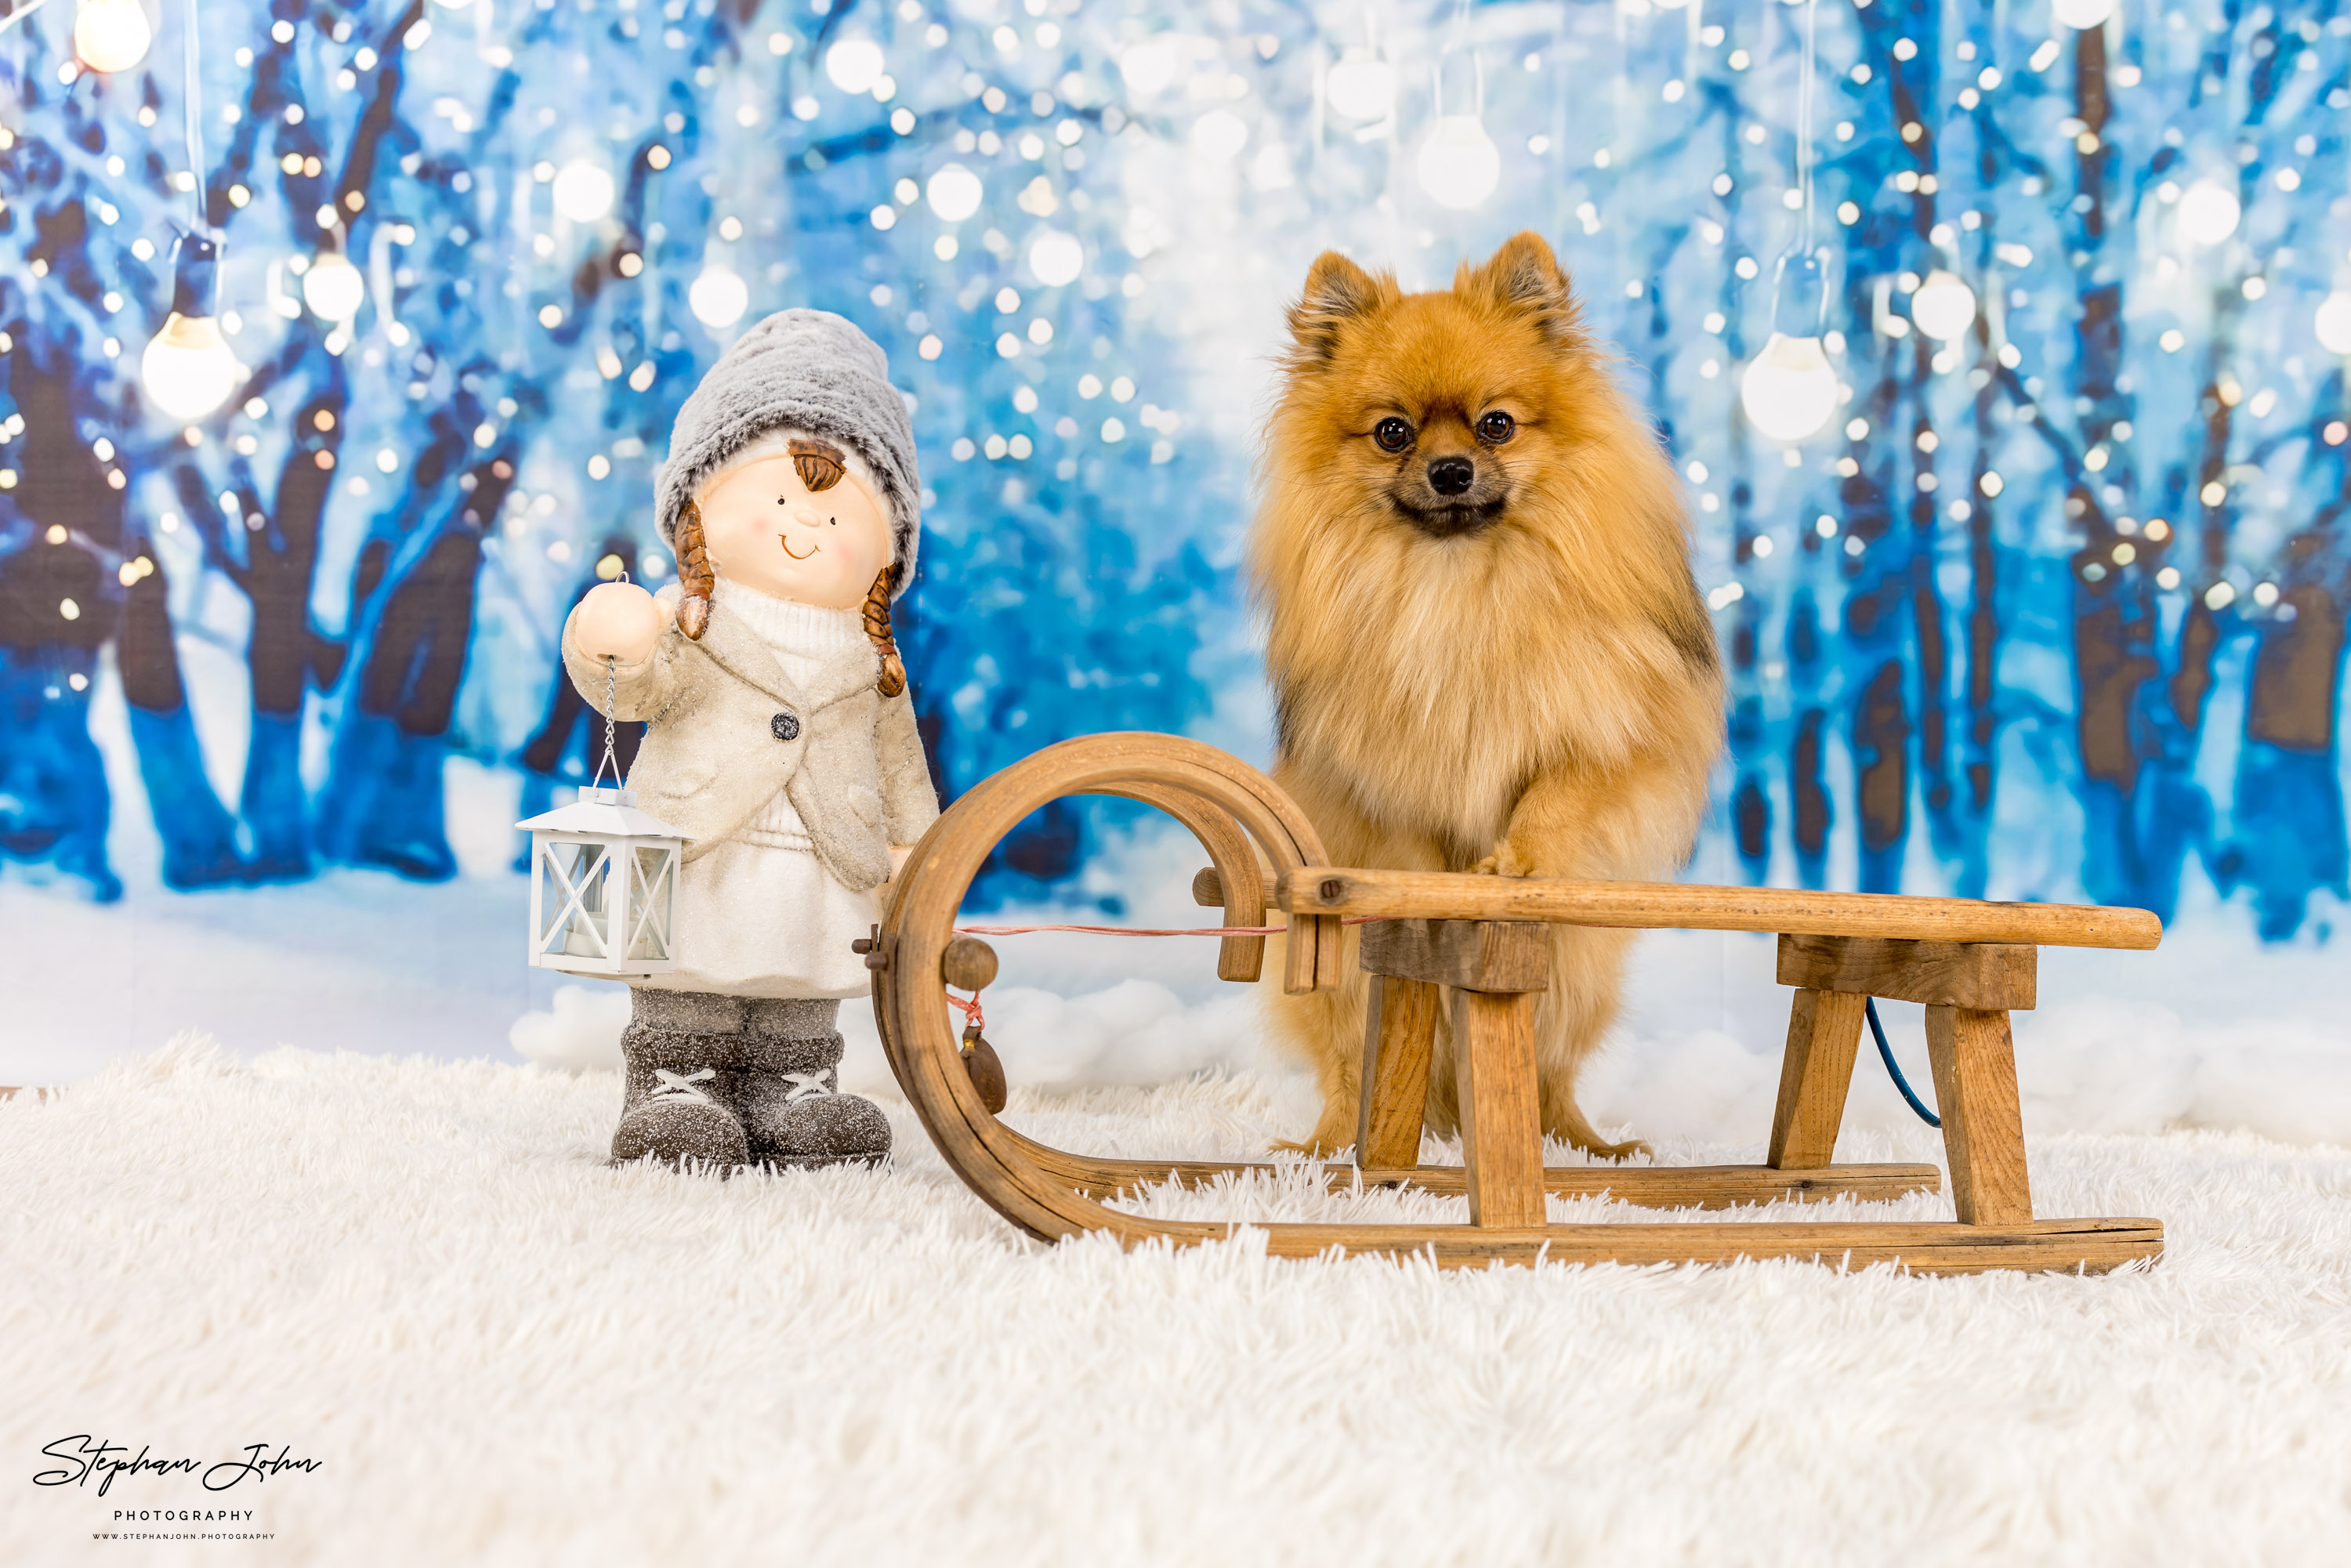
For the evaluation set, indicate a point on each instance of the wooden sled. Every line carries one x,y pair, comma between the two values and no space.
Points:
1473,943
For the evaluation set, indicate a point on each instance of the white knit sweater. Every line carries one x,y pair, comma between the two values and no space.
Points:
801,637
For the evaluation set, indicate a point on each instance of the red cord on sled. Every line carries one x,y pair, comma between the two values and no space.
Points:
970,1011
1122,930
1144,931
978,1020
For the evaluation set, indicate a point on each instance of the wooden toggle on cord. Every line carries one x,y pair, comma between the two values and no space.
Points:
1476,944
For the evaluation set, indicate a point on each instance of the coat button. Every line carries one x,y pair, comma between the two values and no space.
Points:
786,726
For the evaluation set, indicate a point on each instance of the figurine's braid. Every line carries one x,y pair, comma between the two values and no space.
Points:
695,578
698,582
877,628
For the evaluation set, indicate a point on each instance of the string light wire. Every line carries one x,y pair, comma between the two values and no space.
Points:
18,16
190,97
1804,124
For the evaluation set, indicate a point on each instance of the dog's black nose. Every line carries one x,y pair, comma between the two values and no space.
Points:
1451,475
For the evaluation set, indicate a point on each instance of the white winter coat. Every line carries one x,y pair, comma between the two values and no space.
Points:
728,727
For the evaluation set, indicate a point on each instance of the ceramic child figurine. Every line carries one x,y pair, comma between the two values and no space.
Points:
780,740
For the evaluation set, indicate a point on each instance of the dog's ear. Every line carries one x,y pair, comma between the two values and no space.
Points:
1337,291
1524,276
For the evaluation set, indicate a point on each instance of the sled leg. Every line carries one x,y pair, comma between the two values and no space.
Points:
1823,1033
1502,1109
1983,1127
1497,969
1399,1035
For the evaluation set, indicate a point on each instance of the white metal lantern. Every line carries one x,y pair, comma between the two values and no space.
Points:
604,888
604,878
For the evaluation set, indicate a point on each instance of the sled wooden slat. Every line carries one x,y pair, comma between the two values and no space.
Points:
1446,895
1643,1186
1475,955
1995,975
1441,935
1298,956
1926,1247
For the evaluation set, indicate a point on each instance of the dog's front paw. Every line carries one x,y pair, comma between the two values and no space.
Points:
1318,1148
1333,1133
1505,861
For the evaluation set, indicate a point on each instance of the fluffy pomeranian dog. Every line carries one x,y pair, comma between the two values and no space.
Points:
1487,650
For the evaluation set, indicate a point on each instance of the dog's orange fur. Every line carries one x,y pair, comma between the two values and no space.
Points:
1536,697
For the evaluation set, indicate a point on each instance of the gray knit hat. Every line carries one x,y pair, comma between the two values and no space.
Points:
800,370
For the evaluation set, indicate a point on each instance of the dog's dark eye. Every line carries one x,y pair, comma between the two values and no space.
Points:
1497,427
1392,435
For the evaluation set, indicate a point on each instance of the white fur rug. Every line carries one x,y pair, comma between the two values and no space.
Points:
421,1276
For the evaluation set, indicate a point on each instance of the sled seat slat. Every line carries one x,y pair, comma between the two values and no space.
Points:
1442,895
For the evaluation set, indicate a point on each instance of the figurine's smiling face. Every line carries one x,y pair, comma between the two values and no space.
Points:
800,527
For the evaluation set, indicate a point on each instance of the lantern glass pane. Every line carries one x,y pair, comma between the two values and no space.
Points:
572,899
653,884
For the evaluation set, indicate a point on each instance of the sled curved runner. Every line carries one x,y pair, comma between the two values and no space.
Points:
1472,943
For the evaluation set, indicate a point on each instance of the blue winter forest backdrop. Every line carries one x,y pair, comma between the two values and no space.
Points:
2051,606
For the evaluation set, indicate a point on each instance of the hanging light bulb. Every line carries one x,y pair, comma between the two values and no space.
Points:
2209,212
1219,135
719,296
1458,164
583,190
2082,14
111,34
954,193
187,368
1789,391
1944,306
1056,258
854,65
2334,323
333,287
1361,86
1151,65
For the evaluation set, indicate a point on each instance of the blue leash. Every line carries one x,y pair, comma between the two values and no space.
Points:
1885,1054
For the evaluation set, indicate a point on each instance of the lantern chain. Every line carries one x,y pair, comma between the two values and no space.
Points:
611,701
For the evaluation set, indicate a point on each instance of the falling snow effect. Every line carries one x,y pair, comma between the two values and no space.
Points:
2052,605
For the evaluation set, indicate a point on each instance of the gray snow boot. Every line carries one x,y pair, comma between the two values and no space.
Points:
683,1050
788,1094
